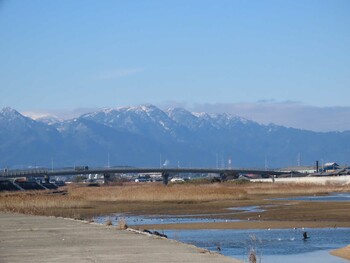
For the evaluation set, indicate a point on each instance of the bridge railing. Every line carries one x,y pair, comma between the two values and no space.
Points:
25,172
102,170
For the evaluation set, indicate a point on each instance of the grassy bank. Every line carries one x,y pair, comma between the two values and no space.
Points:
78,201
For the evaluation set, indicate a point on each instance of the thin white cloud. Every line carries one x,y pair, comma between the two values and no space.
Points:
117,73
172,104
288,113
37,114
61,114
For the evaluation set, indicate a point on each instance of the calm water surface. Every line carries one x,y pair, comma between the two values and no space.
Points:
133,220
340,197
276,245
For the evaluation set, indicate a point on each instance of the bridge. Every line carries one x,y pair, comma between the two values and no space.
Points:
164,171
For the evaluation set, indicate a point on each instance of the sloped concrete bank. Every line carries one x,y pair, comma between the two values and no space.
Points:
339,180
25,238
342,252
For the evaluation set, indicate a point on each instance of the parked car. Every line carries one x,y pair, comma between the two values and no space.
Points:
177,180
142,180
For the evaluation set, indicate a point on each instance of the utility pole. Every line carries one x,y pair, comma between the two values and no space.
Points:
229,162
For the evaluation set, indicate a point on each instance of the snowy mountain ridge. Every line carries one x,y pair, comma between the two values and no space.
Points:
139,135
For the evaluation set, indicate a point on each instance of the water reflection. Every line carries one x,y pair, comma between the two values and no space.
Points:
133,220
274,245
270,245
180,219
246,209
334,197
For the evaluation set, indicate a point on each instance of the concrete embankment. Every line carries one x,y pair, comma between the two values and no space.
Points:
342,252
339,180
25,238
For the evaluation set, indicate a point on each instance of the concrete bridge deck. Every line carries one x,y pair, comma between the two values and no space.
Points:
126,170
25,238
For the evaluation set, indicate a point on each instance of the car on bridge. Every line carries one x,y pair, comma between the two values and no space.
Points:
81,168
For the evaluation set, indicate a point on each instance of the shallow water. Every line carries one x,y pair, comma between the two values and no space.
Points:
334,197
275,245
178,219
160,219
245,209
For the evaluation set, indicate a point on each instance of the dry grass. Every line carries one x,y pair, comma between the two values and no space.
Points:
109,222
289,189
158,192
122,225
37,202
88,201
197,193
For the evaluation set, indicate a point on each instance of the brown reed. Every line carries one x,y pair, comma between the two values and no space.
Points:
77,198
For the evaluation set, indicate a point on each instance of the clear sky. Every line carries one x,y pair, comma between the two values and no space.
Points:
70,54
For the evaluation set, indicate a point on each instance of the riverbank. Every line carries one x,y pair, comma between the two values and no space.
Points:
220,200
26,238
342,252
210,201
246,225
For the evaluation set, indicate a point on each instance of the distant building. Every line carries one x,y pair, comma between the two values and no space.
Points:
300,169
327,167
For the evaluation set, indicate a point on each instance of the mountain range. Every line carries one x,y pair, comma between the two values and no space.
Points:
148,136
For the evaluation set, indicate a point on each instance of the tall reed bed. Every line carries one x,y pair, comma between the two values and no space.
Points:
158,192
293,189
80,197
36,202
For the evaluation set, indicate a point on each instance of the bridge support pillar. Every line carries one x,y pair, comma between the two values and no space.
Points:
165,178
46,179
223,177
107,178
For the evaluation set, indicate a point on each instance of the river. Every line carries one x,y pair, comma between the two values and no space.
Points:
270,245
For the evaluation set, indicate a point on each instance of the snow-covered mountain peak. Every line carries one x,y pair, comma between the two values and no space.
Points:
108,110
177,110
50,120
9,113
148,110
11,117
182,116
139,135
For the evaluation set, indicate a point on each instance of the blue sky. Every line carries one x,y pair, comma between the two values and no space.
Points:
72,54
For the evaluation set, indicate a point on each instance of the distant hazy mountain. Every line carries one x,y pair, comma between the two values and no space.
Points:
148,136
